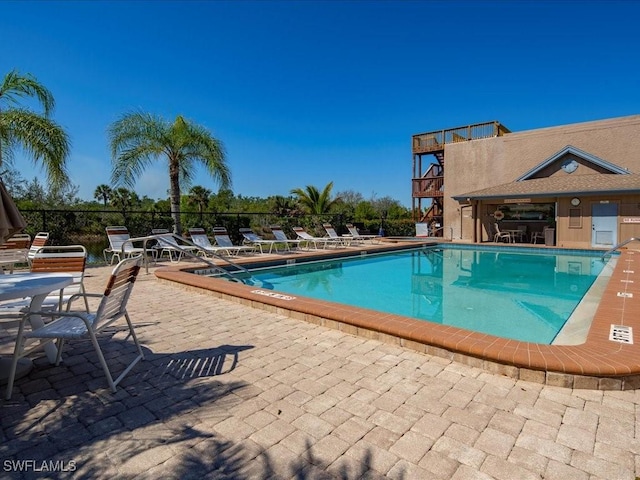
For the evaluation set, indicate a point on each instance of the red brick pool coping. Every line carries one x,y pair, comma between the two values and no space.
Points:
598,363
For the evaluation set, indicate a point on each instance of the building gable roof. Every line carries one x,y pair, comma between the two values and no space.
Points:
569,149
559,186
617,181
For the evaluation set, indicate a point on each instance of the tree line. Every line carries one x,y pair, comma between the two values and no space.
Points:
136,140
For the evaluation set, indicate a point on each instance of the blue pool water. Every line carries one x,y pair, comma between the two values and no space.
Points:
511,294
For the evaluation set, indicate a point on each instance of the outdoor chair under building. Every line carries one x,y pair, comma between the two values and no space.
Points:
500,235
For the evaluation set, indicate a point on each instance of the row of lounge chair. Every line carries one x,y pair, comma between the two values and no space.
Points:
121,245
66,323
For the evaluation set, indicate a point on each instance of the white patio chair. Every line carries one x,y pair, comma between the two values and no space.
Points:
74,325
19,241
53,259
539,235
120,245
500,235
14,251
40,240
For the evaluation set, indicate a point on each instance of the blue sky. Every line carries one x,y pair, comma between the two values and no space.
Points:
308,92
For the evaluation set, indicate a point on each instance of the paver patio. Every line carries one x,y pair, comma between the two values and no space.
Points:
227,391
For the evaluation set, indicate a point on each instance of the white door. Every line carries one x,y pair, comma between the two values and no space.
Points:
604,225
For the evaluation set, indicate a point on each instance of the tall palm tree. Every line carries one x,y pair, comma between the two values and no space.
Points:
315,201
139,138
104,193
38,135
199,196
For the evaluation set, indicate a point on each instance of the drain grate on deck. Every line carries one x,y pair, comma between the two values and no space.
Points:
621,334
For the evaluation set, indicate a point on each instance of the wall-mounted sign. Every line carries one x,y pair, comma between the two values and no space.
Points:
517,200
631,220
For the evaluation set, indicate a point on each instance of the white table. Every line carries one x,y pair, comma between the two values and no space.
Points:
37,286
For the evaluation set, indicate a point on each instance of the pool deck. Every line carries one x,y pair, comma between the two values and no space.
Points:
230,391
598,362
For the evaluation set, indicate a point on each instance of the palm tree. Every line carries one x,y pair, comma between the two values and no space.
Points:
103,192
124,200
139,138
199,196
34,132
314,201
283,207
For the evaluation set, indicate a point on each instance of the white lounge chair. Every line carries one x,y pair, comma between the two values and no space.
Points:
251,238
120,245
344,241
74,325
223,240
280,236
357,236
310,239
199,237
168,243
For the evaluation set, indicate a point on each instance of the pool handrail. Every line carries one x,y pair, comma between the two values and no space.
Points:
620,245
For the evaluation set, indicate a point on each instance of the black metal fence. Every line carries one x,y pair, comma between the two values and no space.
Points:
88,226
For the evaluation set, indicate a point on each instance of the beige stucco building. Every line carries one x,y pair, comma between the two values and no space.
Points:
582,181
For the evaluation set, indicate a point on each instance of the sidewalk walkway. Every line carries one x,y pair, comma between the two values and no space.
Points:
227,391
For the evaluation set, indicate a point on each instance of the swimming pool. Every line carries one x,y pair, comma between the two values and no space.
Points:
594,358
520,295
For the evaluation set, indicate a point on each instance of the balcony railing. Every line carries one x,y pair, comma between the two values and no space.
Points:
435,141
431,187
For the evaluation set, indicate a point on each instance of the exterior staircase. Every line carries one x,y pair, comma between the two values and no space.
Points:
428,177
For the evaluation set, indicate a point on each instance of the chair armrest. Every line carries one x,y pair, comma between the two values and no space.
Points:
74,297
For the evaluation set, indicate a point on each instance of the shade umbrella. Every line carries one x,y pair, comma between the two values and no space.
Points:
11,220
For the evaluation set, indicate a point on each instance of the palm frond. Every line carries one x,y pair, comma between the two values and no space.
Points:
15,86
41,138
